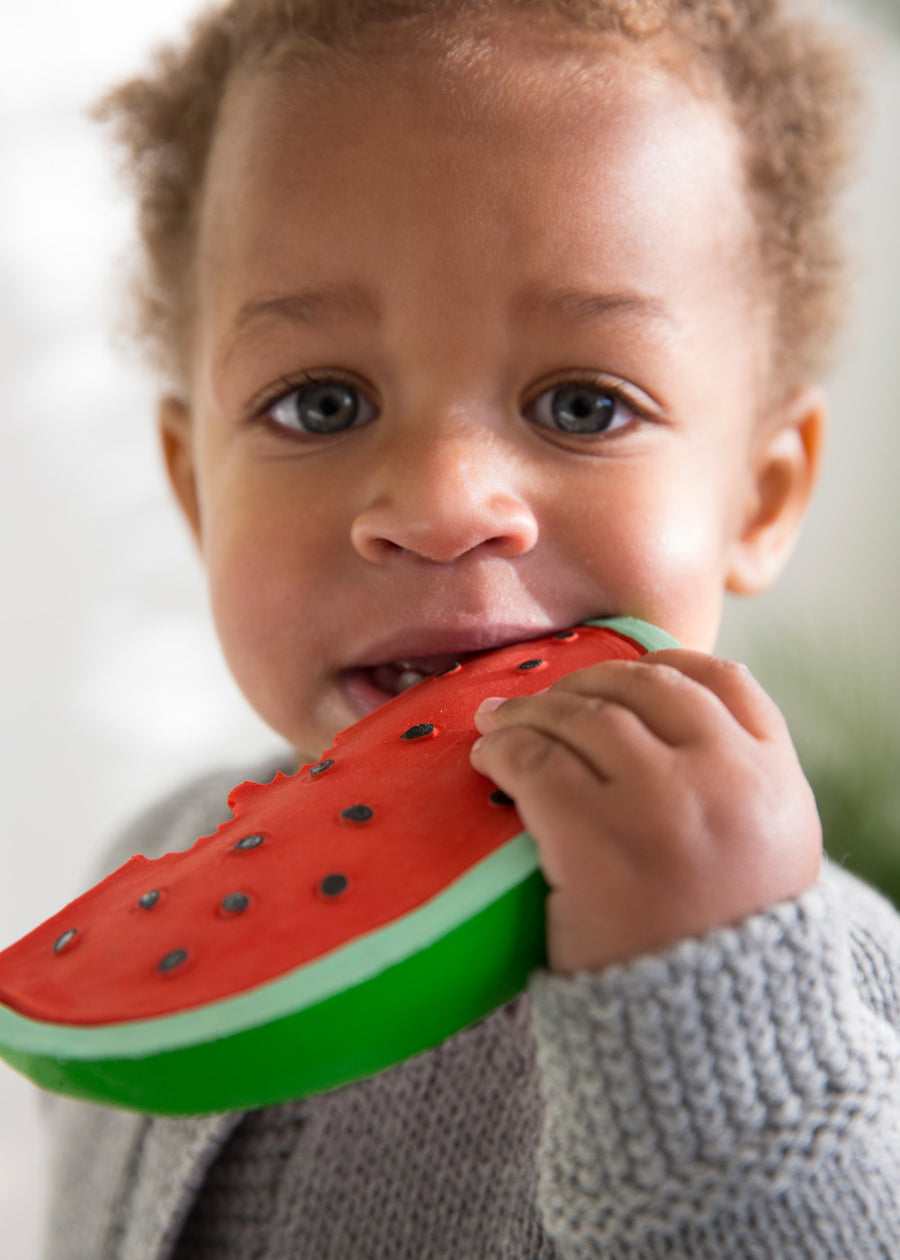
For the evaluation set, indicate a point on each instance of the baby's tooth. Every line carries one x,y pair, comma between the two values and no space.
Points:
408,679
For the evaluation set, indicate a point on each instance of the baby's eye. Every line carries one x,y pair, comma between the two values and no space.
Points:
580,408
321,407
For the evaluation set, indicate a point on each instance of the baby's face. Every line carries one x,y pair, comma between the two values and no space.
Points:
463,377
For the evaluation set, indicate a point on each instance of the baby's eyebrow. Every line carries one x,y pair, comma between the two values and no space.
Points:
586,304
306,306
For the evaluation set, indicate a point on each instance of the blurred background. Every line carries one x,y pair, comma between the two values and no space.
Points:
113,689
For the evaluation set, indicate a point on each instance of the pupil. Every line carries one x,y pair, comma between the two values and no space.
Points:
327,408
579,409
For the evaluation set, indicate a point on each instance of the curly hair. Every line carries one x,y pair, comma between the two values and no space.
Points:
788,82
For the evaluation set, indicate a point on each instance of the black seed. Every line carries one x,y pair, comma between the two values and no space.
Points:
332,885
173,959
235,903
451,669
566,635
532,664
323,765
500,798
357,813
66,939
249,842
149,899
418,732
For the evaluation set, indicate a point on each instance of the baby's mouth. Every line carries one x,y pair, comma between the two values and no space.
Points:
370,684
399,676
368,687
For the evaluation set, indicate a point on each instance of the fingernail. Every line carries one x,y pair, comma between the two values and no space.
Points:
490,704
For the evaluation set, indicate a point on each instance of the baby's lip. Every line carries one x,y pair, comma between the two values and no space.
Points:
427,651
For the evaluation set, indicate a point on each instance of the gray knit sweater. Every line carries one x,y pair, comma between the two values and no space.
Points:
734,1096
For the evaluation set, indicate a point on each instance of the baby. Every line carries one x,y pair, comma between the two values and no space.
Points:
479,320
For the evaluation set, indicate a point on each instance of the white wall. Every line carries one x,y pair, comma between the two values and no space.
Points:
111,681
112,687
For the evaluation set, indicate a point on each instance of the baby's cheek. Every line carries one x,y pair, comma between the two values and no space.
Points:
679,578
251,604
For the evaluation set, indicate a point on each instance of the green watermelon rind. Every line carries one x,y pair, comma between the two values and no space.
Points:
651,638
415,982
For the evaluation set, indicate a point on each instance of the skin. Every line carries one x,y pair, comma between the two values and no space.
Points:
454,513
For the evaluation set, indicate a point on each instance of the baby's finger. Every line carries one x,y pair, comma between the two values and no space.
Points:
699,689
605,735
557,795
733,684
670,704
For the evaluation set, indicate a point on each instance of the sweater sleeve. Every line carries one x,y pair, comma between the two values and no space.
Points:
735,1096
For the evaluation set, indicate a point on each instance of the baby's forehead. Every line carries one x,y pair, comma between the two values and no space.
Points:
547,82
501,52
505,106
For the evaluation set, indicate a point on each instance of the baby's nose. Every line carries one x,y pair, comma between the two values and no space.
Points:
439,499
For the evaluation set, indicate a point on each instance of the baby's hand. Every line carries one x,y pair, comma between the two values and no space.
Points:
665,798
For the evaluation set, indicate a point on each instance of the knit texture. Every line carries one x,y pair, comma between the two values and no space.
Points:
735,1093
432,1159
734,1096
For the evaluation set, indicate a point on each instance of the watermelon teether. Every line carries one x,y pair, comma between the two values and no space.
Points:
345,918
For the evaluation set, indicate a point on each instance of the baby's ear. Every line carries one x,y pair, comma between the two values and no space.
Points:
177,436
785,459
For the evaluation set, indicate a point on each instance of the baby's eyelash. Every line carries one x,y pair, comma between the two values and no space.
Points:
285,385
630,397
633,398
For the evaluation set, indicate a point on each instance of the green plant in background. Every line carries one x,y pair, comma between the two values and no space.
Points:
844,715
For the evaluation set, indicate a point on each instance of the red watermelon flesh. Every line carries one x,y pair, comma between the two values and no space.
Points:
385,821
